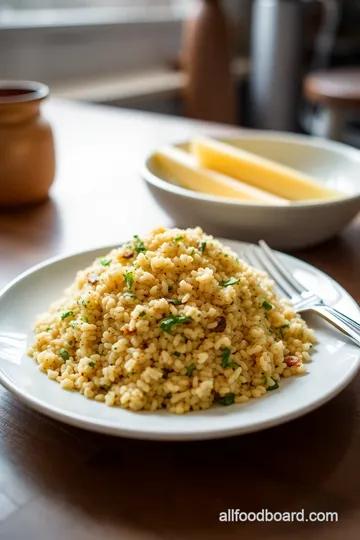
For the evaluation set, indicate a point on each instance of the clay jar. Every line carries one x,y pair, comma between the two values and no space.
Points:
27,160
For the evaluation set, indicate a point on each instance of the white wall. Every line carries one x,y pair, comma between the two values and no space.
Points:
60,54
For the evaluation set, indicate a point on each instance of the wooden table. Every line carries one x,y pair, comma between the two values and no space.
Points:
62,483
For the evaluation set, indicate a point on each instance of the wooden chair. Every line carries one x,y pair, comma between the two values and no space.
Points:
337,91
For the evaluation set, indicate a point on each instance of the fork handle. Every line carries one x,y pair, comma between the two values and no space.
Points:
347,326
351,322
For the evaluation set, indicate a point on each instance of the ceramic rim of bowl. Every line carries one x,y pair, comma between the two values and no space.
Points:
14,91
150,177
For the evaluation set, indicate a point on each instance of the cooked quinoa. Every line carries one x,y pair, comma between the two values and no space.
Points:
172,320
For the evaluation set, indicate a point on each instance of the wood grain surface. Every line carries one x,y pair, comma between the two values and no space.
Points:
62,483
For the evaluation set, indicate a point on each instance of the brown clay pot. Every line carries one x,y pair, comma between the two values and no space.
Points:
27,157
206,57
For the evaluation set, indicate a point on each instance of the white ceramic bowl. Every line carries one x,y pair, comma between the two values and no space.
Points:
289,227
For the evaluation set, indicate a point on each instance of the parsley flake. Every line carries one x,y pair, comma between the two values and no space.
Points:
228,282
66,314
228,399
202,247
129,294
64,354
129,279
167,324
175,301
225,362
139,245
273,387
104,261
190,369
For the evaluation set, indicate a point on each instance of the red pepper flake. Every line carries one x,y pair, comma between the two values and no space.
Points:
126,331
292,361
92,279
128,255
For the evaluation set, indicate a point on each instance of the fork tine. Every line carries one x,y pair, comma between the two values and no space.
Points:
262,262
244,257
281,268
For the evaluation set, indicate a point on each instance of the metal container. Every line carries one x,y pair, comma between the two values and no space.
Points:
276,56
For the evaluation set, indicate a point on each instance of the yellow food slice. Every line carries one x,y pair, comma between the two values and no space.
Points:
258,171
183,168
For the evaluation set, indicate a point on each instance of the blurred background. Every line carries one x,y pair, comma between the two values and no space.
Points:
271,64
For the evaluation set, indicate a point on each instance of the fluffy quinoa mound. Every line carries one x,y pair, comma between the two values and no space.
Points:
172,320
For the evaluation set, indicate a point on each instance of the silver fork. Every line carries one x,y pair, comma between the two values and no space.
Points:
301,298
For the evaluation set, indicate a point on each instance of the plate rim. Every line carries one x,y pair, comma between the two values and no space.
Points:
104,427
151,178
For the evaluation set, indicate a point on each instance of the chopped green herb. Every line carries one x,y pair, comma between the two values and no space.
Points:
225,363
192,252
129,294
168,323
175,301
202,247
273,387
266,305
285,326
226,255
64,354
225,357
190,369
139,245
104,261
73,323
66,314
70,343
142,314
233,365
265,379
176,353
48,329
84,303
92,364
85,319
178,238
228,282
129,279
228,399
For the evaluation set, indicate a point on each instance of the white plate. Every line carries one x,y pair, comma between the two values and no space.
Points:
335,363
